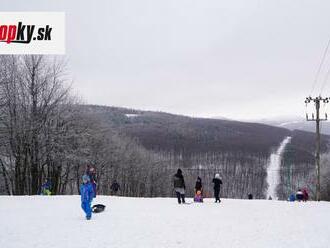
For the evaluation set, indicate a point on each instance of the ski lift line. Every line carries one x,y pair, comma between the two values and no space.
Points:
325,80
320,67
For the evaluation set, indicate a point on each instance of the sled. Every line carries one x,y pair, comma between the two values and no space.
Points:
98,208
198,196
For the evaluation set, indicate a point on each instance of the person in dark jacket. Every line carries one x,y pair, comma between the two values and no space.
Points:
198,185
217,182
114,187
179,186
299,195
91,173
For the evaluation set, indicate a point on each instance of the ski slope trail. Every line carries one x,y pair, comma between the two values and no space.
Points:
273,170
58,221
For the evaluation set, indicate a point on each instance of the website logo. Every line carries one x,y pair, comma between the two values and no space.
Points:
32,33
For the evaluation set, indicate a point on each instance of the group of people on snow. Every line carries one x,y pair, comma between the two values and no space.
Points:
301,195
180,187
88,189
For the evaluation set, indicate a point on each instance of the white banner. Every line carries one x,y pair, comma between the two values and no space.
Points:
32,33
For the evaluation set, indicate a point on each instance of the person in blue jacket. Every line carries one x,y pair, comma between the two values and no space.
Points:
87,195
292,198
45,188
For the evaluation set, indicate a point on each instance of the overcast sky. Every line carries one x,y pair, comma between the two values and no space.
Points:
238,59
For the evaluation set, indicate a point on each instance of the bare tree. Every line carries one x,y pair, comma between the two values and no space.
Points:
34,102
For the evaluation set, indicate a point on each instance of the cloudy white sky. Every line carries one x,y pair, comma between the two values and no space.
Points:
238,59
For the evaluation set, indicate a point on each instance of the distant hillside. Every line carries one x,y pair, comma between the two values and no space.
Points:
163,131
293,123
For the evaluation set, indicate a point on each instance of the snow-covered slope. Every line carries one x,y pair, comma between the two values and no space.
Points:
273,170
58,221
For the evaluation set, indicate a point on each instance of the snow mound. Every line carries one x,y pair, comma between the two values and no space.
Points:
58,221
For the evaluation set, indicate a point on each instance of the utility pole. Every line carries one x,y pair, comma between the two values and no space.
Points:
317,101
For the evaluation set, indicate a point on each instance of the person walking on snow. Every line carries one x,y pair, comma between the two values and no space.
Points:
114,187
179,186
217,182
87,195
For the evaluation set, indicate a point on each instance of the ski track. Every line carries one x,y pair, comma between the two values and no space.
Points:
58,221
273,173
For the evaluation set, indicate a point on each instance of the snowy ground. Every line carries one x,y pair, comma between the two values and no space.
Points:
58,221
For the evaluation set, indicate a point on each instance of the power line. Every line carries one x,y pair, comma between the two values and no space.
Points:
320,67
325,80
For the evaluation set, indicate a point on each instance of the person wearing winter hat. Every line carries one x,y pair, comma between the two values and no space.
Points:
299,195
87,195
217,182
179,186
